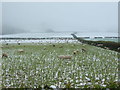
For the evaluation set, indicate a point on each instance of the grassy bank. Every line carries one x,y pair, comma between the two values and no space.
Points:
39,65
115,46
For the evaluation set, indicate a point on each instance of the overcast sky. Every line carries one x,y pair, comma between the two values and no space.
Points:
20,17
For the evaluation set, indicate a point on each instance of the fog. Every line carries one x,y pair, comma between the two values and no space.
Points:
27,17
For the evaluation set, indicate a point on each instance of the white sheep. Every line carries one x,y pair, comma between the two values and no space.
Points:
75,52
65,57
20,51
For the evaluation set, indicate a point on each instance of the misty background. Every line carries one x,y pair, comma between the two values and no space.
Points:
36,17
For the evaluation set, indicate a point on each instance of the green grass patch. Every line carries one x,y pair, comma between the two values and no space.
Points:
39,65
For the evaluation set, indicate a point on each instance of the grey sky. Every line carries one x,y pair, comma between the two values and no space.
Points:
38,17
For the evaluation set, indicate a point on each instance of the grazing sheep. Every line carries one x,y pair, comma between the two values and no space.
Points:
20,51
64,56
4,55
44,48
75,52
84,50
73,45
61,47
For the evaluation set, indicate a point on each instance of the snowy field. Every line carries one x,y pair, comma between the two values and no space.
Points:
64,34
37,65
56,35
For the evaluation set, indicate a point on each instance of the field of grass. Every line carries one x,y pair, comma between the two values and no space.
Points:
39,65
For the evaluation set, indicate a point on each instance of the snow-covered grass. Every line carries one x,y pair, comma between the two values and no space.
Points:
15,41
39,65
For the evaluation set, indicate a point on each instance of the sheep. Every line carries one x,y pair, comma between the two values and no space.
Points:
75,52
44,48
20,51
73,45
4,55
64,56
84,50
61,47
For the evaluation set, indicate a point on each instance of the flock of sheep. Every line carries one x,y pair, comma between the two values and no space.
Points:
83,50
61,57
5,55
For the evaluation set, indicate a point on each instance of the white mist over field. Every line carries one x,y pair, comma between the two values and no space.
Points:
50,17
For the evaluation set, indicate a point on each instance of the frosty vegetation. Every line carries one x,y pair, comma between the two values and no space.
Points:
37,65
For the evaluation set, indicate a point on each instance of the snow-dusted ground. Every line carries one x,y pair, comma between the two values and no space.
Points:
54,35
64,34
38,41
